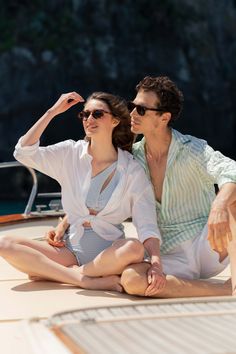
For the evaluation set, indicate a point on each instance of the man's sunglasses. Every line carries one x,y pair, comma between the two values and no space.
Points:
141,110
96,114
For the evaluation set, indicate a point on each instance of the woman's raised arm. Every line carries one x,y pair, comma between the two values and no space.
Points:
63,104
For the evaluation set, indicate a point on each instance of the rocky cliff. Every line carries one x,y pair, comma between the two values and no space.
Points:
47,48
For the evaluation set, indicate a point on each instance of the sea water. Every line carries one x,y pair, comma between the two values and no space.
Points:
12,206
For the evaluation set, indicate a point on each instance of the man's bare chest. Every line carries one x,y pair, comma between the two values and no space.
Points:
157,170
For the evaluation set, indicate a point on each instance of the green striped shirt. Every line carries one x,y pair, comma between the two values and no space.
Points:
193,168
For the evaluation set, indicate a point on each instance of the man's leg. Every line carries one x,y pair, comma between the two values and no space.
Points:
134,278
134,282
232,255
232,247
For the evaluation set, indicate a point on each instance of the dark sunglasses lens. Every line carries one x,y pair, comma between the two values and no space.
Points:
141,110
83,115
97,114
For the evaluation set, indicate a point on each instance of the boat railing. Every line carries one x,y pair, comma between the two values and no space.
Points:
34,189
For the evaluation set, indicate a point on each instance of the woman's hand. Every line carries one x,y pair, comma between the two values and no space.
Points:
156,280
54,237
66,101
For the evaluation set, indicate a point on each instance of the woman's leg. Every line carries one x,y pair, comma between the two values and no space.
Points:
60,255
32,261
114,259
20,260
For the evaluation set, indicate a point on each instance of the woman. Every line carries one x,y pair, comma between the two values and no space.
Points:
101,186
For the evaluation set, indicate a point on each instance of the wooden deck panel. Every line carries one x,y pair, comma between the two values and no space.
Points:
21,298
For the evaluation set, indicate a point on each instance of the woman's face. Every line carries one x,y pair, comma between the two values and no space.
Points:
98,120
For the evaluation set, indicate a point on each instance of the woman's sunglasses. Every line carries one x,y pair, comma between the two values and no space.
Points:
141,110
96,114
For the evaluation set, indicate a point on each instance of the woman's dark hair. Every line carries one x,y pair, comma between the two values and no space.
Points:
170,97
122,137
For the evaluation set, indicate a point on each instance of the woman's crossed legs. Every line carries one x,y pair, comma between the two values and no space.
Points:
39,259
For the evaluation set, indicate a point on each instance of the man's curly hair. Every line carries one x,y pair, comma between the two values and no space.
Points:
170,97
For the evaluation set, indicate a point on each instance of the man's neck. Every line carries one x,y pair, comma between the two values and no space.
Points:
158,142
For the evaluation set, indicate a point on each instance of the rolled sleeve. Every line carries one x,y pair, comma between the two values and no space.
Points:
25,150
219,168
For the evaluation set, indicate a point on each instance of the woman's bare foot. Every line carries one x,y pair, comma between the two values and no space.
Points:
115,283
228,286
228,283
36,278
110,282
74,266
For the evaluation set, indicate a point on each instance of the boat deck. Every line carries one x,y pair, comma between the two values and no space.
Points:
21,298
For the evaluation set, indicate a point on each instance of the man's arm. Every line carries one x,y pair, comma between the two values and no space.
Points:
226,195
232,247
215,168
156,278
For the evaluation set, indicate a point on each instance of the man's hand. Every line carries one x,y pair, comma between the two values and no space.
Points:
156,280
219,233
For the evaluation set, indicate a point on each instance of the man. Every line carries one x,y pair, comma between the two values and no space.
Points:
194,222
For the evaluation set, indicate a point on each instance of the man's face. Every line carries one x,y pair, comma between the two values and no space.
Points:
150,120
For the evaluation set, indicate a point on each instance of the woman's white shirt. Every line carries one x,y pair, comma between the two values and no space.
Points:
69,163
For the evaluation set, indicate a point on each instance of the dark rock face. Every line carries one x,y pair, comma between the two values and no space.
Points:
47,49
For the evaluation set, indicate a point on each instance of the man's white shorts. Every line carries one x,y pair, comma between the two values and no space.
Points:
194,259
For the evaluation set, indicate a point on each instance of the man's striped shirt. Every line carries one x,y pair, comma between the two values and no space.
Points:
193,168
